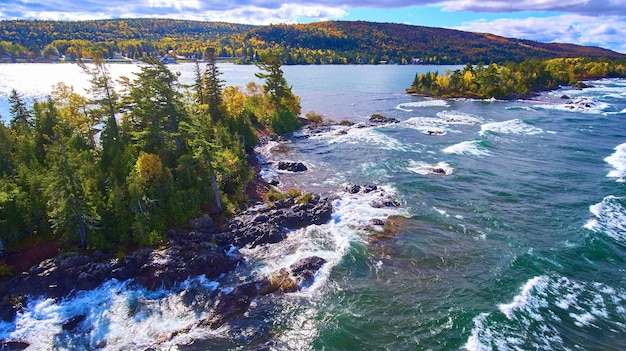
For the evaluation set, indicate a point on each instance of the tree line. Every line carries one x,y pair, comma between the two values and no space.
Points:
119,167
511,80
330,42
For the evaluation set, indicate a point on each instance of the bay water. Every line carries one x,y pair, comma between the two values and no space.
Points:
508,231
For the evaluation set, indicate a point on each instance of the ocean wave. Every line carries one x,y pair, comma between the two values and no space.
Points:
409,106
588,105
545,311
610,218
458,117
618,161
366,137
118,315
514,126
470,148
424,168
519,108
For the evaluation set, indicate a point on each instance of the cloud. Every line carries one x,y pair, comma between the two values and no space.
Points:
603,31
582,7
246,11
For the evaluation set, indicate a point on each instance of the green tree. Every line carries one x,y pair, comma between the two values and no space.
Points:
286,105
213,86
72,189
154,111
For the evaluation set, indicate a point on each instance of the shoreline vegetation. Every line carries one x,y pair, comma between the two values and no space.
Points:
119,170
515,80
327,42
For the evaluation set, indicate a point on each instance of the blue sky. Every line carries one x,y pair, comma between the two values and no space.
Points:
585,22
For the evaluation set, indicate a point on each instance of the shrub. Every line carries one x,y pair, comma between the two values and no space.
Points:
315,118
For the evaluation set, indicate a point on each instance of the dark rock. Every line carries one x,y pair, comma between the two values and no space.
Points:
438,170
13,345
73,322
202,223
376,221
565,97
369,188
173,265
271,225
353,189
292,166
304,270
309,264
380,119
232,305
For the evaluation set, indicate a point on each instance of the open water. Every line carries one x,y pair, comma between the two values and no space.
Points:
510,234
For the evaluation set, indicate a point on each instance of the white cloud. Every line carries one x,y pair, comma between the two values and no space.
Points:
252,12
583,7
603,31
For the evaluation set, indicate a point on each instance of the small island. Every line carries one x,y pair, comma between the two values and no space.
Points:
515,80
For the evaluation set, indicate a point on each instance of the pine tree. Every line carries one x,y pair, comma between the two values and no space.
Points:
213,86
154,112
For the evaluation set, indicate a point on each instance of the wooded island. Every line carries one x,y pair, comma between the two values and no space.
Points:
515,80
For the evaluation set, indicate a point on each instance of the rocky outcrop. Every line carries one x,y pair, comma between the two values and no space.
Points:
377,119
205,250
235,303
267,225
292,166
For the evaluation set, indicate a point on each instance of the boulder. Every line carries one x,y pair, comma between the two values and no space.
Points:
13,345
202,223
73,322
305,269
378,119
231,305
292,166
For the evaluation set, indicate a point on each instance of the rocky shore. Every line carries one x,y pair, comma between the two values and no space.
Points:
205,248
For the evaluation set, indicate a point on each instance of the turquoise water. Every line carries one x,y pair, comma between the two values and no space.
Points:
519,245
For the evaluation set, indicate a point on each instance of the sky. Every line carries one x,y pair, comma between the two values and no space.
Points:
585,22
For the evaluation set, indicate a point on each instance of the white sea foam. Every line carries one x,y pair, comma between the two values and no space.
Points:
366,137
618,161
579,104
470,148
427,125
525,297
610,218
409,106
424,168
545,307
458,117
514,126
519,108
117,314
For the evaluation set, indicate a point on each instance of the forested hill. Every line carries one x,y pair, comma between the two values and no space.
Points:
388,41
314,43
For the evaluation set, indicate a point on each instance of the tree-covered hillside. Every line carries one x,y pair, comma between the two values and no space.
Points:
340,42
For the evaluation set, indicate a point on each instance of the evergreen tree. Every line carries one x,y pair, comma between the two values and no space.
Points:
286,105
21,119
212,86
71,187
154,111
106,100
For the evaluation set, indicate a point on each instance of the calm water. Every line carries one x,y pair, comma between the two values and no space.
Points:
520,245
